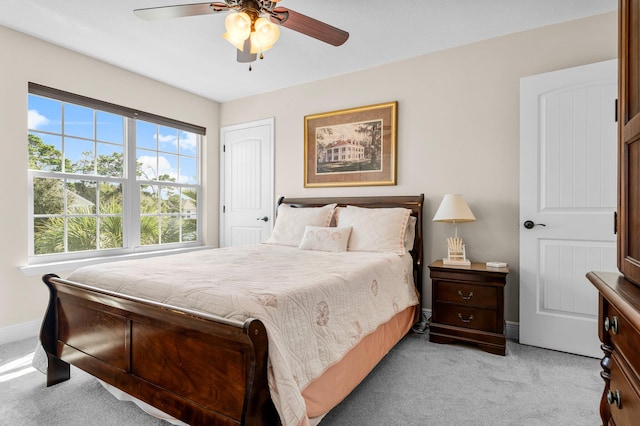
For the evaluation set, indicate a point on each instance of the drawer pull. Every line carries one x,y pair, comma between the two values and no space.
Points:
467,319
467,297
614,398
611,324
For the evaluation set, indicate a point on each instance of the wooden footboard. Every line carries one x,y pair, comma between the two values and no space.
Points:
199,368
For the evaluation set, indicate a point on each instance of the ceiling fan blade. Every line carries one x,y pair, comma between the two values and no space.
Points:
308,26
180,10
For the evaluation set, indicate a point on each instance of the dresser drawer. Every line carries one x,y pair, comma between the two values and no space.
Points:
626,339
467,294
461,316
620,336
620,388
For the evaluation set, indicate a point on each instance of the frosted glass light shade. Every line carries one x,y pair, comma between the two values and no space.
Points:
238,27
453,209
265,35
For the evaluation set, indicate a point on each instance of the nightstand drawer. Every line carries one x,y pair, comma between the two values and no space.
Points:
467,294
477,319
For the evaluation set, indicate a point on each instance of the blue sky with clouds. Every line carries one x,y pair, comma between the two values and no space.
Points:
161,150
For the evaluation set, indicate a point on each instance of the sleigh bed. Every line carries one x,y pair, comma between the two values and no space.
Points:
224,368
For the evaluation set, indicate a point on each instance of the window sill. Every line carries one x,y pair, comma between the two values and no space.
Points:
70,265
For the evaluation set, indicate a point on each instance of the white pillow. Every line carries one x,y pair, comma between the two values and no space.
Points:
375,229
325,238
410,235
291,221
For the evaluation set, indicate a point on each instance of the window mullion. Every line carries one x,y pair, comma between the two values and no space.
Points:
199,209
31,224
65,214
131,196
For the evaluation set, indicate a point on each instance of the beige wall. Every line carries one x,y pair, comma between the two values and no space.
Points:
23,297
458,128
457,132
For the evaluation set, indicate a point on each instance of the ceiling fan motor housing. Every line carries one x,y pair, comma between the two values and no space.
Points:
255,6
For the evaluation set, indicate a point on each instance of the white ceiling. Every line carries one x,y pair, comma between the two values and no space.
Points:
190,53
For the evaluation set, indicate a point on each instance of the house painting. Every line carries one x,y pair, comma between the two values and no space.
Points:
343,150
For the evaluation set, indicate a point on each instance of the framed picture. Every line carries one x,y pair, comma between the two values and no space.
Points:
351,147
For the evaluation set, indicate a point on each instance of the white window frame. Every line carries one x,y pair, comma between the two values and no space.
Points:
130,188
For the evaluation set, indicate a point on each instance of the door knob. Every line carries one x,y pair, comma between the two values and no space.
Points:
529,224
264,219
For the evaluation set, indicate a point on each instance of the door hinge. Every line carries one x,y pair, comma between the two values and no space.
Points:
615,223
224,147
616,111
224,209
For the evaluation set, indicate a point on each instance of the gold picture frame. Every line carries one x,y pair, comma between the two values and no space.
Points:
351,147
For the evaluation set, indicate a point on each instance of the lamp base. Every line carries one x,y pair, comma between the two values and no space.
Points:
456,253
465,262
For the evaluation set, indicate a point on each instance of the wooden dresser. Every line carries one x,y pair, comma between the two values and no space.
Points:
619,331
619,313
468,305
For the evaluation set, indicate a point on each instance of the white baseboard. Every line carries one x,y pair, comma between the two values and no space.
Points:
512,329
13,333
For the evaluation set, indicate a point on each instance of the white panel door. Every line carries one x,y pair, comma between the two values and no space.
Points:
568,190
247,194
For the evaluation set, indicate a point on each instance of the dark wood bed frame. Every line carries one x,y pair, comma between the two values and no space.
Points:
199,368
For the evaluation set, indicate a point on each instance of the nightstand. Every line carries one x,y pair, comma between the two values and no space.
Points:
468,305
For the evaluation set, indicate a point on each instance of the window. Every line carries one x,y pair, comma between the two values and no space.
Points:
108,180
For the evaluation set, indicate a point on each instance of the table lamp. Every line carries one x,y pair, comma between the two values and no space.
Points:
454,209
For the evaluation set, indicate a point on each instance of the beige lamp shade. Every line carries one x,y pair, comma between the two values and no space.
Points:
453,209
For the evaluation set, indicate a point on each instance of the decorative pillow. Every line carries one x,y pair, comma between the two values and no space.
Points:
291,221
325,238
375,229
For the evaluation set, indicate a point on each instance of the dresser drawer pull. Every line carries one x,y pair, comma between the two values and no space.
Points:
614,398
611,324
467,297
467,319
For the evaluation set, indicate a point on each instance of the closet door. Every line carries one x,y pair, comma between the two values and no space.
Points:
629,145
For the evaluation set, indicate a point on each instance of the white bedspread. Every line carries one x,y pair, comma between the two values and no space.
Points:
315,305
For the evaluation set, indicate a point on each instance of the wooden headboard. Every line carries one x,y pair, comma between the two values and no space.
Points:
412,202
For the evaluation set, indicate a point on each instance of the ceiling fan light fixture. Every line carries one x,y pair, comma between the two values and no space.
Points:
265,35
238,27
239,44
256,46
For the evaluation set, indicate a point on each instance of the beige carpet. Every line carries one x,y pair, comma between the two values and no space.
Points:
423,383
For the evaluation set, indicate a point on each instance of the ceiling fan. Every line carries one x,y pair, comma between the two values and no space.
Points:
253,26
